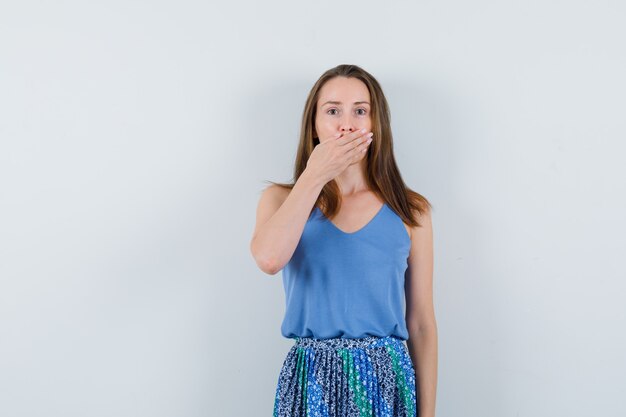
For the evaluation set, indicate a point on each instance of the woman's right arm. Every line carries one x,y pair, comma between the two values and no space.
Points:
280,219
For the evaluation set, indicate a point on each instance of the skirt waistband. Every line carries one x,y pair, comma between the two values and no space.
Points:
342,342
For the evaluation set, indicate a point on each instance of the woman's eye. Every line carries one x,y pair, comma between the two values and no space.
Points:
361,114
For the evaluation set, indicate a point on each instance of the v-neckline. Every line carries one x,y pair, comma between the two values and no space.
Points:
380,210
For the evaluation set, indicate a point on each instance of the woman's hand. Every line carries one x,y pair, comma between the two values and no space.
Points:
331,157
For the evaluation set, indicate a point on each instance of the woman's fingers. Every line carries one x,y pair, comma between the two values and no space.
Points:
350,137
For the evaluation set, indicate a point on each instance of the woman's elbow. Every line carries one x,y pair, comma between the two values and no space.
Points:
266,263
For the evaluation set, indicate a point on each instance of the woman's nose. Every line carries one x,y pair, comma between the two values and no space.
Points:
347,128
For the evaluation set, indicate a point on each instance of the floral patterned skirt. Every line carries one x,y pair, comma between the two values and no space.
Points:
342,377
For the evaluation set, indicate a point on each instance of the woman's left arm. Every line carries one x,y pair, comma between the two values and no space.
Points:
420,315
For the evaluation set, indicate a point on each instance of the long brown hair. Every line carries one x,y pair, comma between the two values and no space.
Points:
382,174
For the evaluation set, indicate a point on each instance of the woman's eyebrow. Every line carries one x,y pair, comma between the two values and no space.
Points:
339,102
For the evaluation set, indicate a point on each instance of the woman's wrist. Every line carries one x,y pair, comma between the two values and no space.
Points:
312,180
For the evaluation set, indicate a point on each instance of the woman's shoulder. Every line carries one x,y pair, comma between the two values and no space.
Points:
279,188
272,197
423,217
275,192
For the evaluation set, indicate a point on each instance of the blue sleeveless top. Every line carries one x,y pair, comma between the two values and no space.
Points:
348,285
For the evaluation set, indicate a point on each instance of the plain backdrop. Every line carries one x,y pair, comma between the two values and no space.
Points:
135,139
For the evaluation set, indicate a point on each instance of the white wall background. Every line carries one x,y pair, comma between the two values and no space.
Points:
134,140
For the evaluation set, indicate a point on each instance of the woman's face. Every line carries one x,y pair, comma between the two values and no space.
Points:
343,106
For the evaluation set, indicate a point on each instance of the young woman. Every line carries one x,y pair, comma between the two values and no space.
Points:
355,247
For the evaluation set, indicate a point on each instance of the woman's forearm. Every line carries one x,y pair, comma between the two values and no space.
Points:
422,345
